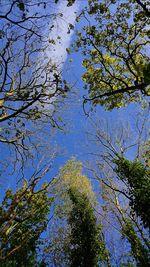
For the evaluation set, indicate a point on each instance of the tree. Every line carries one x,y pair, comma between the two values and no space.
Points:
124,190
114,42
137,177
23,218
31,84
117,211
71,182
140,253
69,176
87,247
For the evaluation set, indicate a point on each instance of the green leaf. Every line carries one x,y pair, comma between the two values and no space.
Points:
21,6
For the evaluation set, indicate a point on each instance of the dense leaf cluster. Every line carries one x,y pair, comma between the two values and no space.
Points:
87,247
138,178
139,252
114,44
23,218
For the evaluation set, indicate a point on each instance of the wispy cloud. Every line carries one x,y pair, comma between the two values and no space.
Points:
58,53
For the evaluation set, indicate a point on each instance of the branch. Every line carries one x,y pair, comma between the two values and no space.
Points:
11,141
20,109
140,87
147,12
117,190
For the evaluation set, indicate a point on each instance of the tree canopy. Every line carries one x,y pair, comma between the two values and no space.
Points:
76,237
124,190
87,247
23,218
114,42
138,178
31,84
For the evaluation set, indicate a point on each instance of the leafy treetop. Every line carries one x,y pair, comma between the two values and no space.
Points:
114,42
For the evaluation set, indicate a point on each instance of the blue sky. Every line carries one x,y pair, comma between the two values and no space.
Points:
74,141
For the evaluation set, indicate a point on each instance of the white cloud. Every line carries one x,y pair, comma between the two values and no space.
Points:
58,54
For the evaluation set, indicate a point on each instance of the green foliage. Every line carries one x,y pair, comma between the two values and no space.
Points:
139,252
70,176
137,177
146,153
21,6
70,2
114,41
146,73
87,247
23,217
